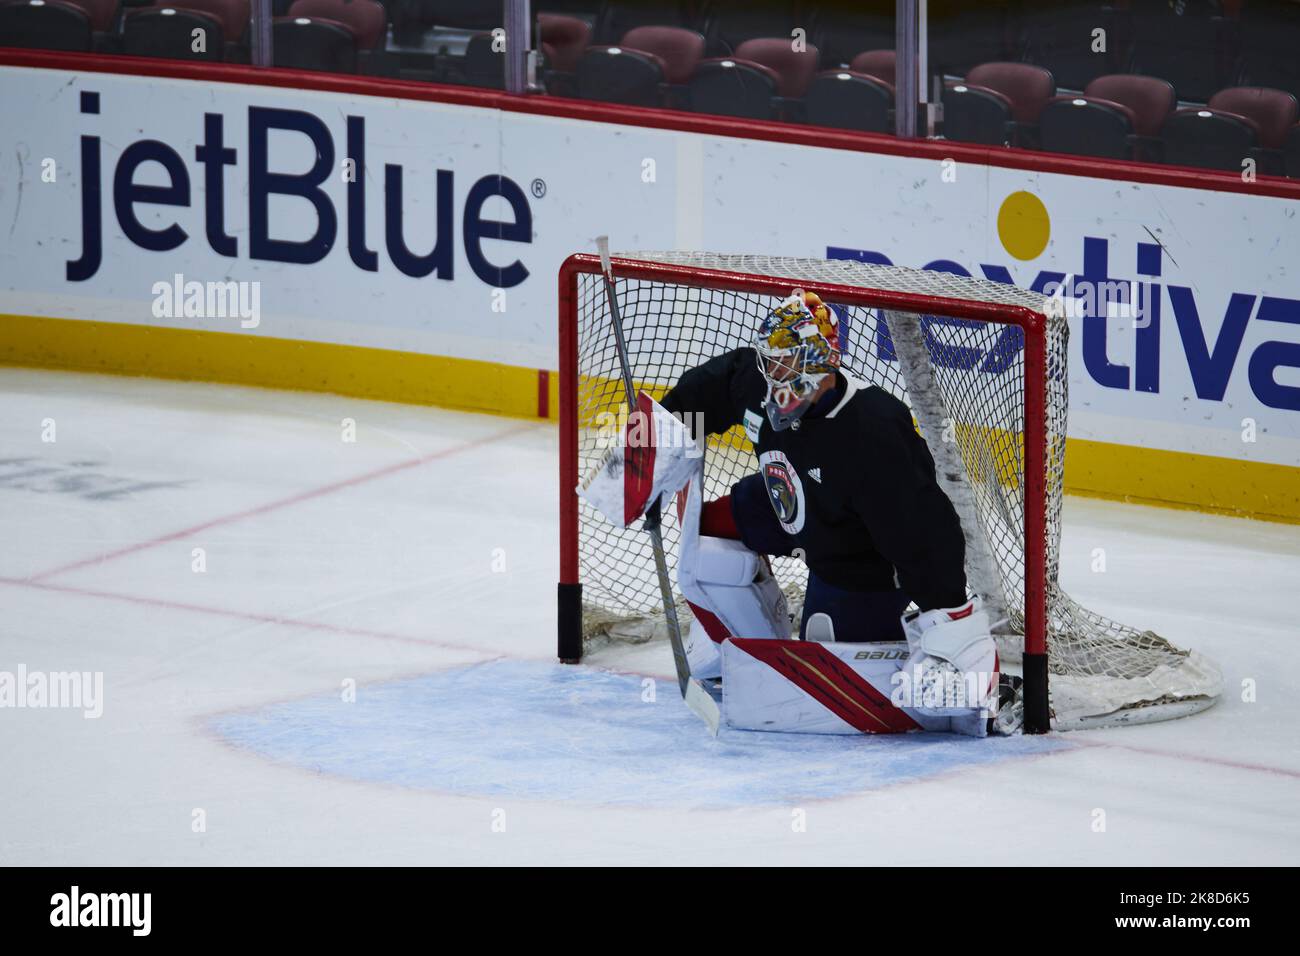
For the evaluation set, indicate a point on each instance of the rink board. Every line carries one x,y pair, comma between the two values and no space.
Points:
431,277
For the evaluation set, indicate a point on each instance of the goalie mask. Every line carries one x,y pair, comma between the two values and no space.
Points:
797,345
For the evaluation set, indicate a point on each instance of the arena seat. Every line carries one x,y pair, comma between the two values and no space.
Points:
1087,126
562,40
1209,139
680,49
1150,99
616,75
45,25
794,69
977,114
878,63
170,32
728,86
307,43
1274,113
850,100
1026,87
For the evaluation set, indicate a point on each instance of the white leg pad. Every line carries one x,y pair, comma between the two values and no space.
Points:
729,583
736,585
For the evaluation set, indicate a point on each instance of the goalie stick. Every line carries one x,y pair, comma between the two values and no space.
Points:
693,693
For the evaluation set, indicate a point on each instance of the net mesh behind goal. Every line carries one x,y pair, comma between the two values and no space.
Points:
964,380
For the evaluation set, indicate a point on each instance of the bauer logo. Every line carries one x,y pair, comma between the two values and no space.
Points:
328,198
1103,285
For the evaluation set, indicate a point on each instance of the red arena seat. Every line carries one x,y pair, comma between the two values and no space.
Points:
877,63
1150,99
681,50
1028,87
563,39
1274,111
794,69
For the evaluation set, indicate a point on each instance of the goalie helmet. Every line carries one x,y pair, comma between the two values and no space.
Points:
797,346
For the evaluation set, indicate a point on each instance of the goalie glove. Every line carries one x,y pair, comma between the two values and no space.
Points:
657,455
953,660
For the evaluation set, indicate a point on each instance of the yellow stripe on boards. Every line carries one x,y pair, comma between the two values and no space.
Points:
1095,469
382,374
1179,479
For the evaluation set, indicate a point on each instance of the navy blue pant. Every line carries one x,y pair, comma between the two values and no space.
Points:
857,615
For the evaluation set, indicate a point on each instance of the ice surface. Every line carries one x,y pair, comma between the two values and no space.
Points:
414,570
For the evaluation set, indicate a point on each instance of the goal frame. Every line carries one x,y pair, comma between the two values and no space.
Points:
1032,324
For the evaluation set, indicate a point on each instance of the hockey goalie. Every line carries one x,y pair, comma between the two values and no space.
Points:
845,483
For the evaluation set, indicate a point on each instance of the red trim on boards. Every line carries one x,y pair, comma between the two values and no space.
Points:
543,393
823,137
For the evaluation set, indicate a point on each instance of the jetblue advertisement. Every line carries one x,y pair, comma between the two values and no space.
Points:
439,230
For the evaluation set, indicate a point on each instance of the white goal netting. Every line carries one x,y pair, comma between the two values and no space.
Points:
964,381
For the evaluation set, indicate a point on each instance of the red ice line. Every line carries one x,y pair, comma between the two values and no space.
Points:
282,503
246,615
36,580
1194,758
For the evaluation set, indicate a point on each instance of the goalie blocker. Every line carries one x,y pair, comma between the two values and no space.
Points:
944,678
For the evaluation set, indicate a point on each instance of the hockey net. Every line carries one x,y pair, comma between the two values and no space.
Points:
955,350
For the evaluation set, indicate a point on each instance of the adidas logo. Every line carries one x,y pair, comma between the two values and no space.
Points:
815,474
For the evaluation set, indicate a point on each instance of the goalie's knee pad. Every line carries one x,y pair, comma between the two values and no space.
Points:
733,594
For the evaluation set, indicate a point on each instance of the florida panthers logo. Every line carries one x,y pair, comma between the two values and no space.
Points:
784,490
